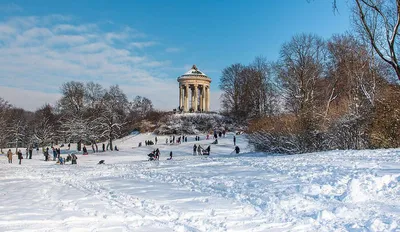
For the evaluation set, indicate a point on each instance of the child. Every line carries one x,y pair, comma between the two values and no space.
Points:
170,156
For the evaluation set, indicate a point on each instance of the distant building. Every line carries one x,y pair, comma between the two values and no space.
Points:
194,85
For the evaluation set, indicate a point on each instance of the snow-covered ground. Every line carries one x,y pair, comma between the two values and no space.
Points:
331,191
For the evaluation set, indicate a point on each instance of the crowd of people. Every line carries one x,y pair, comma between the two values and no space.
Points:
154,155
197,148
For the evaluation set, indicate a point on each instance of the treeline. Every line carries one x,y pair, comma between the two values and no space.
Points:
86,112
320,95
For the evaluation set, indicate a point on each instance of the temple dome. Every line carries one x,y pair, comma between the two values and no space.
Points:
194,72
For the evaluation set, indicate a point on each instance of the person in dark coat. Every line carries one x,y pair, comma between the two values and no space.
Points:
237,150
30,152
73,159
208,149
234,140
170,156
84,150
194,149
156,140
46,154
20,156
104,147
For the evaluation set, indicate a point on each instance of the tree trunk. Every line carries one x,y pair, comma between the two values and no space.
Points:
111,145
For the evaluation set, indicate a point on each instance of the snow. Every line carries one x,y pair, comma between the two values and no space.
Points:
329,191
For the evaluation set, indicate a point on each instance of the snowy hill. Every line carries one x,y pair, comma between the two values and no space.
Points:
331,191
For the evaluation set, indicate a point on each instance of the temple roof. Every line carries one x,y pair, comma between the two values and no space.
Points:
194,71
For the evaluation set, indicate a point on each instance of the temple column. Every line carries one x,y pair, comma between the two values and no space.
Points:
208,99
186,98
196,91
203,98
180,97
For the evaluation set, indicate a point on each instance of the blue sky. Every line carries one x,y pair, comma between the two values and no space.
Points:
144,45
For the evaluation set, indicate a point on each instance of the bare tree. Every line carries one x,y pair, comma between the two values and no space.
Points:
113,114
72,101
94,94
230,86
44,125
140,107
4,109
301,65
16,128
378,22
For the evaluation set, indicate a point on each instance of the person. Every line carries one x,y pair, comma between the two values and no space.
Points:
30,151
208,150
199,150
156,140
61,159
46,154
151,156
234,140
157,154
54,154
220,134
237,149
73,159
166,141
9,156
84,150
69,158
194,149
104,147
20,156
215,141
170,156
116,148
26,154
69,146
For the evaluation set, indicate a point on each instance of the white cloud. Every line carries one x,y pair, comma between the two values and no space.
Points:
39,55
142,44
74,28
